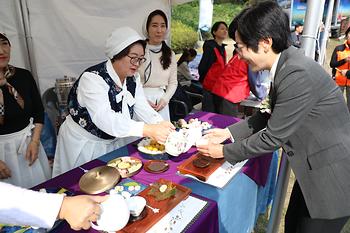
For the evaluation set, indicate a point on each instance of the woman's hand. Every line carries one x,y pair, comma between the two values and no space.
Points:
153,105
5,172
161,104
217,136
32,152
80,210
158,132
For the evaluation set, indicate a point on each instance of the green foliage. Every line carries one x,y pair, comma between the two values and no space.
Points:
226,12
188,13
182,36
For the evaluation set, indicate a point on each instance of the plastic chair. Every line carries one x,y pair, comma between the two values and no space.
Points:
178,109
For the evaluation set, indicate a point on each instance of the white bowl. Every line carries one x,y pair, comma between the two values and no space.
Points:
136,205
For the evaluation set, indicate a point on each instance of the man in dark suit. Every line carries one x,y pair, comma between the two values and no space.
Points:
295,36
308,118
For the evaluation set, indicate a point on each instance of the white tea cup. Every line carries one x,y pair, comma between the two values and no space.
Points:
136,205
114,216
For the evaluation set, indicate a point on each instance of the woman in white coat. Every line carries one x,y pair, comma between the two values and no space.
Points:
103,104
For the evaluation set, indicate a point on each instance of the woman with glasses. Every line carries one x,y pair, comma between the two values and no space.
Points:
159,72
23,161
103,104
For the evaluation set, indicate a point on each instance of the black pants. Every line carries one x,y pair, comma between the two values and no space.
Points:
297,219
208,101
223,106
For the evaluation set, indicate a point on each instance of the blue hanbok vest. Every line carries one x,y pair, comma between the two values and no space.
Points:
81,115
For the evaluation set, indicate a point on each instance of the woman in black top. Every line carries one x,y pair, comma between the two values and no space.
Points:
212,63
23,161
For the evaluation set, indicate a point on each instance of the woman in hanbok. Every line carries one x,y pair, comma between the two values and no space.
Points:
103,104
23,161
159,72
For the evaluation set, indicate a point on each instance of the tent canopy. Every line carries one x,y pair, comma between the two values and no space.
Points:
64,37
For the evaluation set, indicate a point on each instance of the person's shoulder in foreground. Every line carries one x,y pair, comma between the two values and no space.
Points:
21,206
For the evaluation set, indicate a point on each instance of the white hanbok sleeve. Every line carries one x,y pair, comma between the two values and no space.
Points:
93,94
142,109
21,206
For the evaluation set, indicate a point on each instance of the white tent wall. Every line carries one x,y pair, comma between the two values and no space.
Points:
66,36
69,36
11,23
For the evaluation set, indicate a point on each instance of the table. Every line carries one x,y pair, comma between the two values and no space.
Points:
238,204
241,201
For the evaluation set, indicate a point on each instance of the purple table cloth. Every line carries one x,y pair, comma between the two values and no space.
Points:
207,220
257,168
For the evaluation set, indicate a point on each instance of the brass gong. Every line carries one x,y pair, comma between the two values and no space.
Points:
99,179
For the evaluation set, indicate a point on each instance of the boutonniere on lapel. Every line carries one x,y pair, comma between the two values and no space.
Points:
265,106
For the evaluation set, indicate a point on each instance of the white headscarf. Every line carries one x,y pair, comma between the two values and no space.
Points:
144,27
119,39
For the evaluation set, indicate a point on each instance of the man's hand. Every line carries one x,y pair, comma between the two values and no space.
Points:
5,172
217,135
79,211
212,150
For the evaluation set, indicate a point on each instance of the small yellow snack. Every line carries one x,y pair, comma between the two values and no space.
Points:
124,165
162,188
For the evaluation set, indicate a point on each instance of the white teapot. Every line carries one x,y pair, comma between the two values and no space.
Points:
115,214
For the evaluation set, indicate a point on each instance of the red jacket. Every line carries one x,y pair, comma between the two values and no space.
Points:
233,83
214,71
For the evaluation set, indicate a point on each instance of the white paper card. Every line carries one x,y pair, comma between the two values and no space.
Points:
179,217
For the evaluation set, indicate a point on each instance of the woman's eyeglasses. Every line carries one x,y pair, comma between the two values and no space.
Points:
137,60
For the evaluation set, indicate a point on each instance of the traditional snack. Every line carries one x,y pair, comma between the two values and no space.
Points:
150,146
162,191
127,166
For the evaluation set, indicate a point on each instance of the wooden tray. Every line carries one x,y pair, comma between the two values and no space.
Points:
164,207
203,174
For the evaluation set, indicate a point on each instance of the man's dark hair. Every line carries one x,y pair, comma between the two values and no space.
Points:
262,21
297,25
232,28
215,27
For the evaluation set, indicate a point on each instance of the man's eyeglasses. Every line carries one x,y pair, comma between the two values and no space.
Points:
137,60
238,48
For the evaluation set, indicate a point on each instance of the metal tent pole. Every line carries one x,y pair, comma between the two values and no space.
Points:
313,15
280,195
327,27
